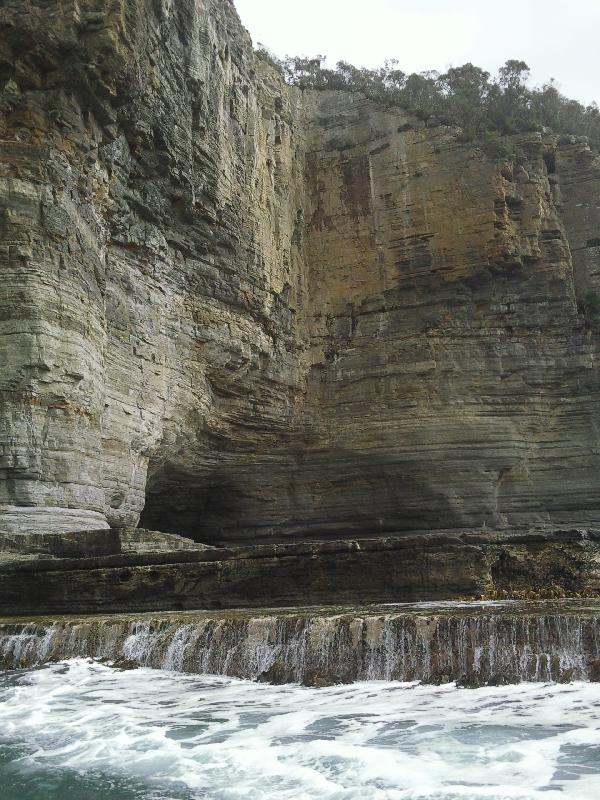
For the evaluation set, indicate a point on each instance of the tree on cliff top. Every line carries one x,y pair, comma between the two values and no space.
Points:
484,107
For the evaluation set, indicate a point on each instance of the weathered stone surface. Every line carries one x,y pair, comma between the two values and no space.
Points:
455,378
91,543
393,569
15,547
138,540
151,194
254,313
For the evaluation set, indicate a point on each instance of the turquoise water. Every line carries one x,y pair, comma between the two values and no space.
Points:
80,730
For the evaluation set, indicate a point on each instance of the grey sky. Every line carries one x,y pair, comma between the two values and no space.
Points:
558,38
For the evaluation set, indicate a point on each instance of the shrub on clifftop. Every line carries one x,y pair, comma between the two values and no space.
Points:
466,96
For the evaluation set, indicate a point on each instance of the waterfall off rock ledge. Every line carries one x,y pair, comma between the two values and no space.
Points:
473,643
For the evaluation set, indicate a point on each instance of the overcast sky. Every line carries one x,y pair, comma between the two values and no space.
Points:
558,38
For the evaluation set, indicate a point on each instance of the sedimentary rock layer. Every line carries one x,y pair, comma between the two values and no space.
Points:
248,312
150,195
154,576
456,376
473,643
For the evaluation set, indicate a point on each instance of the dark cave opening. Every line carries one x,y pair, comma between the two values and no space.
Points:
316,497
191,507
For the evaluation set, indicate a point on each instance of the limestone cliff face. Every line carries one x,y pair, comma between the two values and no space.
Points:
151,196
250,311
455,373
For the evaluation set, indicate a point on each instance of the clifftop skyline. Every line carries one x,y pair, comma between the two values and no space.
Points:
440,34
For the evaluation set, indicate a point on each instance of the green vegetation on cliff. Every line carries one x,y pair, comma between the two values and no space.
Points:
483,106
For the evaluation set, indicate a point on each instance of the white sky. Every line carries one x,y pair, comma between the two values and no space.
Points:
558,38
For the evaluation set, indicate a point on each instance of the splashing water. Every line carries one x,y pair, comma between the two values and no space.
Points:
84,731
472,643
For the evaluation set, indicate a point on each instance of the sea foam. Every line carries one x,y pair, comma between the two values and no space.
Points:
157,734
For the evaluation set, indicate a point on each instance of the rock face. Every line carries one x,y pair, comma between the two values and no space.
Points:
455,374
151,200
245,312
154,574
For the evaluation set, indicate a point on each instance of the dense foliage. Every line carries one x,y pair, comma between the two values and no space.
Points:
483,106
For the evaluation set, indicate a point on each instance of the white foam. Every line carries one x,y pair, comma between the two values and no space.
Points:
219,738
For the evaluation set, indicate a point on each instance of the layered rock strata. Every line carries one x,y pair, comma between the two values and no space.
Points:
156,575
250,313
150,193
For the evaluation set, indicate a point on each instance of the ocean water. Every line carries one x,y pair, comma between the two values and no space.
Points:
80,730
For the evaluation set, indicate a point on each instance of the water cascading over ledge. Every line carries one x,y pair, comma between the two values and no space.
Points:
473,643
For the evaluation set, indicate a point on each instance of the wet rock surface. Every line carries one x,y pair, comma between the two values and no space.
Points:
472,643
542,564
